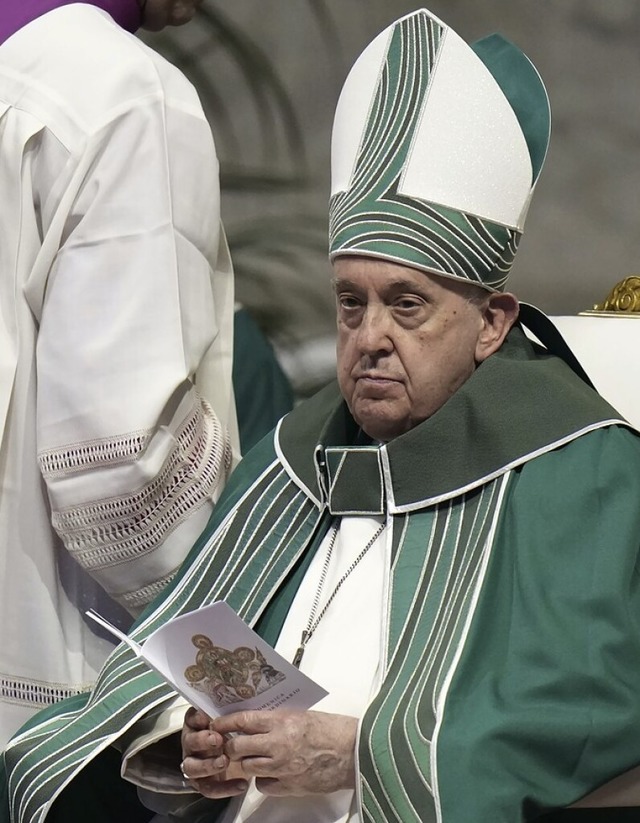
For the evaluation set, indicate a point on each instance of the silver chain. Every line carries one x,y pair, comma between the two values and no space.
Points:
313,622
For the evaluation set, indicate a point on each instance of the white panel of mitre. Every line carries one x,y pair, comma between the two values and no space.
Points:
353,109
469,152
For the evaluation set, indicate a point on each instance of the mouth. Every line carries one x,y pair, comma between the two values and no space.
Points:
377,386
373,377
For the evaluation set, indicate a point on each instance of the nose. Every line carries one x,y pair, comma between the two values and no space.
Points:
374,331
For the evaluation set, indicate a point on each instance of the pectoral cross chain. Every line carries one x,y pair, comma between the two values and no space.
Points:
297,659
313,620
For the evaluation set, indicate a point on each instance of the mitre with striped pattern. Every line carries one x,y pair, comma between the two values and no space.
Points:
436,149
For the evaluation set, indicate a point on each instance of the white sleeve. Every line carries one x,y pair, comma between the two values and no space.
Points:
151,750
132,454
151,756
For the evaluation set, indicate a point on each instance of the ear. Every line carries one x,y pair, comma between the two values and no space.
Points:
499,313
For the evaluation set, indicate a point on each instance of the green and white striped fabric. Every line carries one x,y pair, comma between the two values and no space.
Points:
435,152
222,568
441,556
485,510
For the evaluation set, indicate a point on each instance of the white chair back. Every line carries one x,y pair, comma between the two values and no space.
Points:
608,349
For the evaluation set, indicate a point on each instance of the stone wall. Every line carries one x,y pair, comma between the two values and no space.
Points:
581,235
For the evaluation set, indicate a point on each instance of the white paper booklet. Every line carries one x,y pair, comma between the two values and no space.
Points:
220,665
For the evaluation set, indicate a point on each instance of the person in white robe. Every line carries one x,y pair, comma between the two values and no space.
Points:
117,417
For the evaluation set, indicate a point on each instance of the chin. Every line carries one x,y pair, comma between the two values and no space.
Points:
181,19
383,430
182,13
375,423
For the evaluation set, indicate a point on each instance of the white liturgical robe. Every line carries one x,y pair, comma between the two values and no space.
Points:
116,313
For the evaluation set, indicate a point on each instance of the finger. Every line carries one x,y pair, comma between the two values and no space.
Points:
248,746
202,744
264,767
215,789
196,768
249,722
195,719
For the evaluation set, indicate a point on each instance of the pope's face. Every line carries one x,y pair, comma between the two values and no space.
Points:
407,340
160,13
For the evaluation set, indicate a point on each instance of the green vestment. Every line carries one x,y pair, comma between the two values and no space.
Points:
262,390
511,678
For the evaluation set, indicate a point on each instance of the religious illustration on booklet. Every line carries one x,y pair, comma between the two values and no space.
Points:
216,662
230,675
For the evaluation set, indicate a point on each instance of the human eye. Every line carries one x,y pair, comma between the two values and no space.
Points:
409,310
409,303
348,301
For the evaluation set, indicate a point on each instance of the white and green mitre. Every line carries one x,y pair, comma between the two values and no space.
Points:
436,149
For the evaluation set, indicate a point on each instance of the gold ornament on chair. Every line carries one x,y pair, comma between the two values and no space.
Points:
624,298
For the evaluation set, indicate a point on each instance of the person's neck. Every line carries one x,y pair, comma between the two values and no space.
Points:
19,13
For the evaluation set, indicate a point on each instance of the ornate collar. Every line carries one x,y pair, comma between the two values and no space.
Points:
518,404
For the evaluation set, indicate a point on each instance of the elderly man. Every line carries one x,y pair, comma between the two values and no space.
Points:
447,541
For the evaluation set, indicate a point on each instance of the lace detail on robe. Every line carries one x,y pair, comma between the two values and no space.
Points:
36,692
136,600
115,530
110,451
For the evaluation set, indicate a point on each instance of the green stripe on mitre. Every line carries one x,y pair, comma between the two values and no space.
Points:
371,218
523,88
427,236
397,106
395,112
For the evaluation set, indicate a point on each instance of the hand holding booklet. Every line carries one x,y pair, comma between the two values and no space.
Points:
216,662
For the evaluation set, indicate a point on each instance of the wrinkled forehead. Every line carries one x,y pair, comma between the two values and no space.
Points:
370,271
